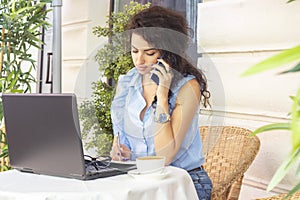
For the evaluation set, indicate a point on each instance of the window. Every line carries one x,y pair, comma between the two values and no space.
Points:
186,7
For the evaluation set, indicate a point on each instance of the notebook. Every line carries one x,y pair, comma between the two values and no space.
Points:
43,135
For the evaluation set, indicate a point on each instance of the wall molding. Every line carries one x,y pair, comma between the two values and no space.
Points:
254,116
262,185
76,23
213,52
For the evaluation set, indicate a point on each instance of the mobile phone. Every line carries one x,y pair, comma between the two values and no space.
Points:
154,77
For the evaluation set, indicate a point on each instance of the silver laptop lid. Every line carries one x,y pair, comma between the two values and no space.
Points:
43,134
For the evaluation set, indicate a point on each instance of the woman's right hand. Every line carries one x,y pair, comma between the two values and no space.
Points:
120,152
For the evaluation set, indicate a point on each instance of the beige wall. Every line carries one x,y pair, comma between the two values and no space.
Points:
235,34
79,43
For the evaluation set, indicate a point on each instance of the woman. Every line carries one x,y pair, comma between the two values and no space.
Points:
159,116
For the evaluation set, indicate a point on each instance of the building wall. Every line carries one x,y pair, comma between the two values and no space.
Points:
79,44
232,36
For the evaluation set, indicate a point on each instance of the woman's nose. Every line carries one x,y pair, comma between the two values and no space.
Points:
140,59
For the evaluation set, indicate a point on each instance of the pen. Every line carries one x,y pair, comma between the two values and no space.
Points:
119,148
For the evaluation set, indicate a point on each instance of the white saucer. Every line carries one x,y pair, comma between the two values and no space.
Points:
128,162
155,175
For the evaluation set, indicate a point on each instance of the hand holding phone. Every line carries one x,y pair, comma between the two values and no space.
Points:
154,77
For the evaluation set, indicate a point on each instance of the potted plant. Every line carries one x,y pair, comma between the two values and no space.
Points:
113,61
20,23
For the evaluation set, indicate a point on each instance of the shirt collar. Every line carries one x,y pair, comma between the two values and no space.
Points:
136,80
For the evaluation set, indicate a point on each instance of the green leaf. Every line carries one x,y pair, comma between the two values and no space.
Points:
295,122
294,69
298,170
13,7
271,127
14,91
283,169
292,191
4,152
18,12
280,59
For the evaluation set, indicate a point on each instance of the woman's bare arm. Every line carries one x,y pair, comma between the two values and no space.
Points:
170,135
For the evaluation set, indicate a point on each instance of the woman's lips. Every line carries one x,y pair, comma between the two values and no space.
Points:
143,68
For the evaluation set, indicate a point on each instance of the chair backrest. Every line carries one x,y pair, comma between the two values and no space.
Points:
230,156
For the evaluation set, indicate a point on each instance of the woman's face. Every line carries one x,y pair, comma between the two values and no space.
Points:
143,54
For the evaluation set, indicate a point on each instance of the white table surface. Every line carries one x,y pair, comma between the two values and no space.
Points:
176,184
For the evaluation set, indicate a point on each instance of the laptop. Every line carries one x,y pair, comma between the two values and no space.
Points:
43,135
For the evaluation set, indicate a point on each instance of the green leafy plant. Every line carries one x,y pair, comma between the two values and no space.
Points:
113,61
284,57
20,23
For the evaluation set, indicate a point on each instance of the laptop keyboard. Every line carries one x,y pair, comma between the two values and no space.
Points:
106,168
96,166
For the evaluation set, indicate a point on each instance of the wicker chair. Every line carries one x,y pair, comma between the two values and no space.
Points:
295,196
228,159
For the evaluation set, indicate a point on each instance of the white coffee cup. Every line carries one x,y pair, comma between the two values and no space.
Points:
150,164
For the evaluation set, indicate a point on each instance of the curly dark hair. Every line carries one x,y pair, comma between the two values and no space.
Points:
168,31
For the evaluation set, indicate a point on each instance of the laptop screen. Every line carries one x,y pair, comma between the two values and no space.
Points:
43,134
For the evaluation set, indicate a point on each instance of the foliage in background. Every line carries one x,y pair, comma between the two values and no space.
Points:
20,23
113,60
284,57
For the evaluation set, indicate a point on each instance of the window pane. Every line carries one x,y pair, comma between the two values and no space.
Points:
187,7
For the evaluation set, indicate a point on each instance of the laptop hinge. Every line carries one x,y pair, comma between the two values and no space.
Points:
76,175
28,170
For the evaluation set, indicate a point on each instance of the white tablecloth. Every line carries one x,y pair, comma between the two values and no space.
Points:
176,184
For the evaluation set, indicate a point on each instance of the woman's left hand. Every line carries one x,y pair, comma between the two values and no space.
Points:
165,77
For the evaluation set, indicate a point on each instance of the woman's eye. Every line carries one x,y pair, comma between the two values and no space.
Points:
150,53
134,51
